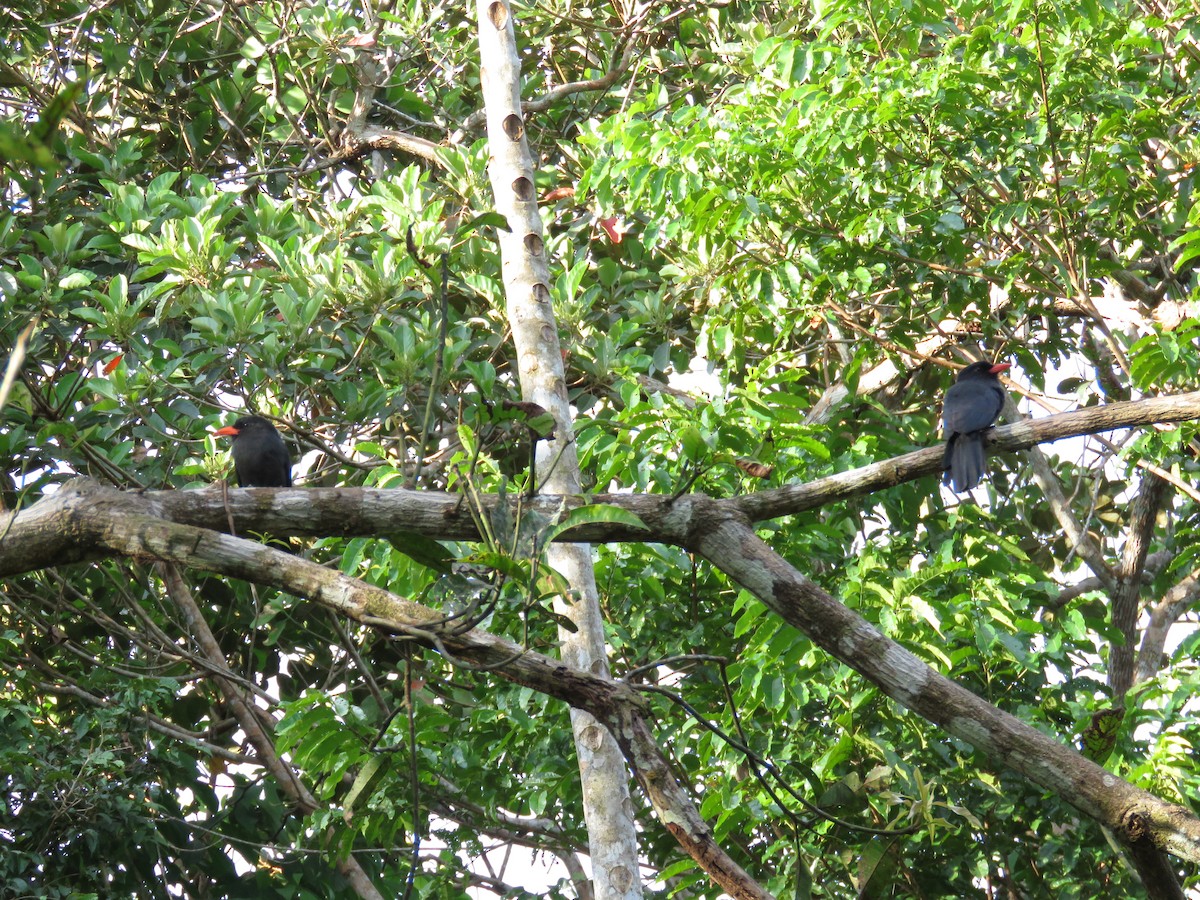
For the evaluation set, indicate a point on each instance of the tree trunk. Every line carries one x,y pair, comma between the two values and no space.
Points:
606,804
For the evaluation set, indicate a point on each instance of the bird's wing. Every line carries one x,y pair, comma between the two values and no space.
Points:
971,406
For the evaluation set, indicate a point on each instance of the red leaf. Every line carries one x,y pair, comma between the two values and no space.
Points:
614,231
753,467
113,363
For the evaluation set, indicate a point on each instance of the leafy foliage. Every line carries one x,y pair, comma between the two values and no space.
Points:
808,201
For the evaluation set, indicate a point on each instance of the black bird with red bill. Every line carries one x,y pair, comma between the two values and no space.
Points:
260,457
972,405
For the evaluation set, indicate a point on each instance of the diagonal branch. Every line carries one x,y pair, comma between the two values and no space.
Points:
129,524
1138,817
1125,607
1021,436
252,724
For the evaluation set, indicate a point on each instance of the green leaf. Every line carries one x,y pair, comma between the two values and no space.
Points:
370,775
695,447
594,514
422,550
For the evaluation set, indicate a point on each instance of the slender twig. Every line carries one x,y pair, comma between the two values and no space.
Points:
439,360
413,775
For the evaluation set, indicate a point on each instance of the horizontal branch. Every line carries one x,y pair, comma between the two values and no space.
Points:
131,525
34,538
62,527
29,540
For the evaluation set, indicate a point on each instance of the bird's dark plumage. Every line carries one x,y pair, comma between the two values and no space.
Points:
972,405
259,455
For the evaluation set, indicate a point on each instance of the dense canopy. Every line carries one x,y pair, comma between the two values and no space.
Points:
774,231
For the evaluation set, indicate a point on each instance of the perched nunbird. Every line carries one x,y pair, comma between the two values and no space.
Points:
971,406
259,455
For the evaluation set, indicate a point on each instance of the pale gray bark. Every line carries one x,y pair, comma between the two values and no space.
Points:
606,803
132,525
1144,822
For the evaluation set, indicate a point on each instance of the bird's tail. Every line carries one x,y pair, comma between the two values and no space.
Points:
964,461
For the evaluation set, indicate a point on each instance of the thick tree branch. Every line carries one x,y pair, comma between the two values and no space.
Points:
1125,605
715,529
1133,814
131,525
39,537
